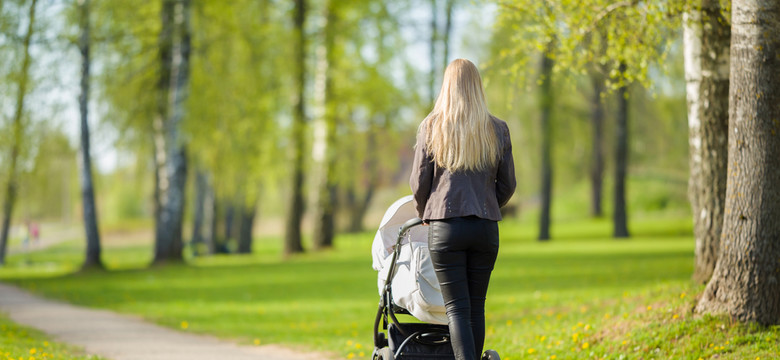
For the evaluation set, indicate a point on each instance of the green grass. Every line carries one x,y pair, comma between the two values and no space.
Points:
581,296
18,342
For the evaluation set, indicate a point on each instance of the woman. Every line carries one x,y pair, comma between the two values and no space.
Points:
463,173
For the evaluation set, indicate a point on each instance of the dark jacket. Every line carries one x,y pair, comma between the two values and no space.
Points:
440,194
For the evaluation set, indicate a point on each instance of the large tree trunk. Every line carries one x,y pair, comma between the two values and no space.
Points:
706,49
323,152
92,259
745,284
292,236
11,190
546,105
169,244
620,218
597,150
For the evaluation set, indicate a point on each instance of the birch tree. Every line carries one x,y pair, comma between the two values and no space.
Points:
17,128
706,37
92,258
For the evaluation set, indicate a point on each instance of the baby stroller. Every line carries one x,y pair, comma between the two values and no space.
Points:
408,286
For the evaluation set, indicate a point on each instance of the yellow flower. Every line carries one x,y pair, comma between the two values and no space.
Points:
185,325
45,343
649,308
257,341
509,323
349,343
362,354
531,351
358,346
682,295
585,346
350,355
33,351
553,357
541,339
675,316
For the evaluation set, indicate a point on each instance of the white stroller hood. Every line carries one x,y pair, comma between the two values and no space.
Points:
415,287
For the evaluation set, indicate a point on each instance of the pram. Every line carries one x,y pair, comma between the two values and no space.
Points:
408,286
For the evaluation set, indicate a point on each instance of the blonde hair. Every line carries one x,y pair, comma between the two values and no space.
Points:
460,134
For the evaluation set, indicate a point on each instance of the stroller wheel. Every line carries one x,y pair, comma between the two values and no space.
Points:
383,354
490,355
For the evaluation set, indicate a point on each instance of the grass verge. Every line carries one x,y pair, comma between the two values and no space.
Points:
580,296
21,343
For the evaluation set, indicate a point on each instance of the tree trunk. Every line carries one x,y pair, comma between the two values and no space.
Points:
210,218
434,38
248,215
706,49
323,152
11,190
745,283
201,192
450,6
92,259
621,161
292,236
169,244
546,105
597,151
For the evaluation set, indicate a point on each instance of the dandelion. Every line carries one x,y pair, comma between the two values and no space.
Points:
358,346
33,351
585,346
649,308
509,323
185,325
553,357
531,350
349,342
624,342
46,343
257,341
606,316
575,336
587,327
675,316
711,345
350,355
541,339
362,354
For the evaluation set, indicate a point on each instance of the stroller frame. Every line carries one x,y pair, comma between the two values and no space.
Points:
426,335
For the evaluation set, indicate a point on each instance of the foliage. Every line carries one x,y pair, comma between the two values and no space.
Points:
583,296
601,32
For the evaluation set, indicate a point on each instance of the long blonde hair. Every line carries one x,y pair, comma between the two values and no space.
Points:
460,134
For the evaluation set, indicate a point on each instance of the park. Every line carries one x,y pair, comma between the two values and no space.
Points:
203,179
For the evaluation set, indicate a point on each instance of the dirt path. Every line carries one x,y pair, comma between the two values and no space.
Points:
121,337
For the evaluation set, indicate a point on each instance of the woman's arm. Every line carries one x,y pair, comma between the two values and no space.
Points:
505,178
422,173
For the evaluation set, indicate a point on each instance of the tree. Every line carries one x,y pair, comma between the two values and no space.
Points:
706,48
292,236
546,107
323,152
597,143
744,284
171,148
92,258
17,129
619,216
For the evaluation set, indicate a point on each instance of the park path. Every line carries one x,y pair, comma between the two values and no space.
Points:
121,337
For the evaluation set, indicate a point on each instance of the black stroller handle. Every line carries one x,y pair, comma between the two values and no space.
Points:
408,225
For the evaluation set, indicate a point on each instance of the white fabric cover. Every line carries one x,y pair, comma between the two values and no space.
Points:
415,287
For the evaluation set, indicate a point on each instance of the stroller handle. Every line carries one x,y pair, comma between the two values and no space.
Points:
408,225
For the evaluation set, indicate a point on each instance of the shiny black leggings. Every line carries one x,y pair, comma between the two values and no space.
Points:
464,251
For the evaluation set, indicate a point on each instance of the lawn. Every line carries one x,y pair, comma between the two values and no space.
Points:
582,295
19,342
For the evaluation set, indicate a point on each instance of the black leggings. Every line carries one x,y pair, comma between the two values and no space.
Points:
464,251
